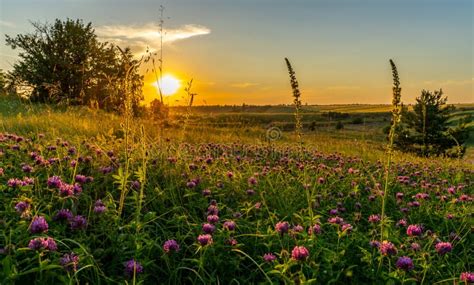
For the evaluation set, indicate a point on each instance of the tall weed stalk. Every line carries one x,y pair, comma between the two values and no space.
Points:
396,117
296,101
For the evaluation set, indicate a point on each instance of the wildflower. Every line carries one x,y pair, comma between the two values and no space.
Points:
66,190
229,225
405,263
171,245
54,182
250,192
99,207
69,261
212,210
252,180
38,225
467,277
229,174
206,192
14,183
443,247
269,257
22,207
346,228
282,227
414,230
205,239
63,214
299,253
374,219
298,229
133,267
38,244
387,248
51,244
78,223
80,179
231,241
415,246
333,212
213,219
402,223
208,228
26,168
336,220
374,243
316,229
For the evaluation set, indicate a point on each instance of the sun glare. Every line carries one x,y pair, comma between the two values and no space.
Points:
169,85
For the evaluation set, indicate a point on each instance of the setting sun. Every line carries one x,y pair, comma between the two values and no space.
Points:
169,85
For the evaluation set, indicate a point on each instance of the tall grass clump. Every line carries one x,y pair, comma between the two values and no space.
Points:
396,117
296,101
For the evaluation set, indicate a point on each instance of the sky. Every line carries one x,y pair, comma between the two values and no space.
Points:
234,50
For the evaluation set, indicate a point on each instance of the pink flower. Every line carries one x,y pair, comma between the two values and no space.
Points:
299,253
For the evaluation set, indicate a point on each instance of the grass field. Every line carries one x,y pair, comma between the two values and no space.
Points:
217,199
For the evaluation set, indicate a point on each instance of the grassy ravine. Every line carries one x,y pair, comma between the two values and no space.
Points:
335,175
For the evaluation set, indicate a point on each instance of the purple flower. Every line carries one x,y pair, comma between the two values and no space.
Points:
316,230
387,248
299,253
14,183
467,277
269,257
80,179
208,228
443,247
54,182
69,261
252,180
78,223
171,245
206,192
229,225
26,168
133,267
213,219
38,244
51,244
66,190
298,229
405,263
374,243
402,223
336,220
205,239
282,227
63,214
99,207
22,206
414,230
38,225
212,210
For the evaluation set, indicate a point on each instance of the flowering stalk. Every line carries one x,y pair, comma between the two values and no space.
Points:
396,117
296,101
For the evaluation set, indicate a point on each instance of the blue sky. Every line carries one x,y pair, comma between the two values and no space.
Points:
234,49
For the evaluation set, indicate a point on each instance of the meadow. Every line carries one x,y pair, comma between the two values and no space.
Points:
214,197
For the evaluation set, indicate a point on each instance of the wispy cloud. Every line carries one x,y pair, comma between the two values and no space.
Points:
343,88
139,37
243,85
6,24
442,83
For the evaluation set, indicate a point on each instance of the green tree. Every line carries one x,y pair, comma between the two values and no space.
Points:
426,130
65,63
2,82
